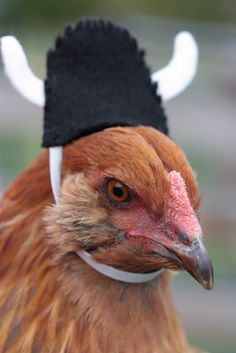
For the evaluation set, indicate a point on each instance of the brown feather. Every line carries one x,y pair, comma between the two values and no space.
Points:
50,301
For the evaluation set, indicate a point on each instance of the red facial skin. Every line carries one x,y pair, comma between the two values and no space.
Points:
178,224
171,235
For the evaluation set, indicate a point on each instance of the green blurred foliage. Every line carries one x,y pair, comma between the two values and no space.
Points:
216,343
48,11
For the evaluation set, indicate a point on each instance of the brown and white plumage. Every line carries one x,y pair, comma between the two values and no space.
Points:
50,300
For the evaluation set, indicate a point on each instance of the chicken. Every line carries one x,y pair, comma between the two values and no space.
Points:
132,206
91,232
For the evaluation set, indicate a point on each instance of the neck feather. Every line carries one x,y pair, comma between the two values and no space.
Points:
42,308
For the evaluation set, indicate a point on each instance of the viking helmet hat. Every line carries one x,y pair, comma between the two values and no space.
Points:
97,78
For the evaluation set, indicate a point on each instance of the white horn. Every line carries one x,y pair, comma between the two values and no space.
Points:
172,79
180,71
19,72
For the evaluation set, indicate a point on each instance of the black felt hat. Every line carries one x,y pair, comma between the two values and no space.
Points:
97,78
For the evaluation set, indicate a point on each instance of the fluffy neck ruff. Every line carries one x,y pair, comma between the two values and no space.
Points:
45,310
111,315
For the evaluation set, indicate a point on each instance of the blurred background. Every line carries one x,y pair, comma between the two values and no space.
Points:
202,121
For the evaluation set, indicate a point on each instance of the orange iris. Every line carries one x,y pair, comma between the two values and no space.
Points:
117,192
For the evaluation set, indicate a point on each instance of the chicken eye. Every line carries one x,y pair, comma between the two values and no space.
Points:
117,191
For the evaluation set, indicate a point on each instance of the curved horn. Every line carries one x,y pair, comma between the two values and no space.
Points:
178,74
19,73
172,79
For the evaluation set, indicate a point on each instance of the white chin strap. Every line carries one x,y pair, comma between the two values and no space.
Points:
55,160
172,80
118,275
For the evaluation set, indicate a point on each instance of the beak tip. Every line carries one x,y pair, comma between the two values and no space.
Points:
205,274
196,262
207,285
209,282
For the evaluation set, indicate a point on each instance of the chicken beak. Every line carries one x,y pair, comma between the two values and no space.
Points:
195,260
183,225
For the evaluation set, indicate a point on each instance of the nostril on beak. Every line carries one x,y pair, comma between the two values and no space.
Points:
183,238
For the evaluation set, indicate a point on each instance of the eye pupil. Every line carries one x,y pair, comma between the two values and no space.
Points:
117,191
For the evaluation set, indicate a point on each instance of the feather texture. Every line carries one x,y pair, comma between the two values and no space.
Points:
50,301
